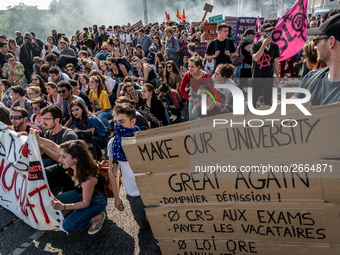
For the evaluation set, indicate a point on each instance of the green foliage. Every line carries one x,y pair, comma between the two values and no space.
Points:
61,16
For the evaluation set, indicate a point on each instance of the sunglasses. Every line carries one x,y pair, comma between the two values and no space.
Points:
69,70
61,91
168,66
35,108
160,67
105,49
35,79
15,117
317,40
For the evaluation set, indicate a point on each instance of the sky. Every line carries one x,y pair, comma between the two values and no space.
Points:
42,4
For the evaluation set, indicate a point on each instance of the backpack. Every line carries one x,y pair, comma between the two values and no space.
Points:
87,137
154,122
124,62
173,44
238,60
66,59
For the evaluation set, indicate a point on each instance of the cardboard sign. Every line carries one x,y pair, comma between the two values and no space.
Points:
269,11
244,23
23,188
201,48
209,26
210,36
231,22
137,26
216,19
199,210
208,7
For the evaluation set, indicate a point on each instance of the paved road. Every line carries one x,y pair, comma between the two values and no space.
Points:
120,235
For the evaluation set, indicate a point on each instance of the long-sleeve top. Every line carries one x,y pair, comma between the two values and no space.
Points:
194,83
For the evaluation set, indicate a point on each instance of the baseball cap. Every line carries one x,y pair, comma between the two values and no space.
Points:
266,27
330,27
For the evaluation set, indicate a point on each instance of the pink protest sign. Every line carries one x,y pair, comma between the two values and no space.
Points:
290,31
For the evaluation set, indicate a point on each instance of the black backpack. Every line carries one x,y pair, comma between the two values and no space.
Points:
154,122
124,62
66,59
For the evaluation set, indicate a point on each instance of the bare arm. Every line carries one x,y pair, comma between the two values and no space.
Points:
114,181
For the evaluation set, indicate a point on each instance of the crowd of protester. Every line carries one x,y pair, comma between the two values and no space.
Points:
105,83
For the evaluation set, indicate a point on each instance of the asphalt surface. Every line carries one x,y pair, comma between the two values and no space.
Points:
120,235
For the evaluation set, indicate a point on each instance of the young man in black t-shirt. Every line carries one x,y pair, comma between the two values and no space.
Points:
225,47
265,54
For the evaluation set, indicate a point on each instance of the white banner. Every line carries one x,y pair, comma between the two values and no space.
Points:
270,11
23,184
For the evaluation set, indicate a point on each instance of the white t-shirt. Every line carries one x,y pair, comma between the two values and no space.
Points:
127,173
208,67
110,84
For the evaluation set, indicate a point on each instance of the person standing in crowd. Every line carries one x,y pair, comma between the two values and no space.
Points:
243,70
222,48
265,54
125,119
103,36
28,51
324,84
13,47
194,77
171,45
144,41
19,39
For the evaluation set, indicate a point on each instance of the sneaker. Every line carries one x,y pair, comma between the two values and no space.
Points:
97,226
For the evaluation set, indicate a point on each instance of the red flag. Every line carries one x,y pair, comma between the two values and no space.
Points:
183,15
290,31
167,17
178,15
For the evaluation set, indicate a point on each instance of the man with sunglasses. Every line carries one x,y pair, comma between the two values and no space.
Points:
71,72
18,117
324,84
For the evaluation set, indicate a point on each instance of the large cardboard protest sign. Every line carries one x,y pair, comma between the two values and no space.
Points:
244,23
137,26
290,31
208,200
201,48
23,185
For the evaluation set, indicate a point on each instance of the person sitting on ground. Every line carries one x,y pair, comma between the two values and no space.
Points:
171,99
36,119
33,92
133,94
18,99
212,108
18,117
77,92
223,75
152,104
87,198
100,101
172,76
65,91
37,80
52,95
56,76
83,120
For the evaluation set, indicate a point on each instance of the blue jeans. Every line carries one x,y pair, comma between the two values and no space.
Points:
105,117
81,218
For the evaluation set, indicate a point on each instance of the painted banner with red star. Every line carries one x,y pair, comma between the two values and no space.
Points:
24,188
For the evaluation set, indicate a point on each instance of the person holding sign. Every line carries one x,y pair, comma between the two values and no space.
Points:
87,199
222,48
